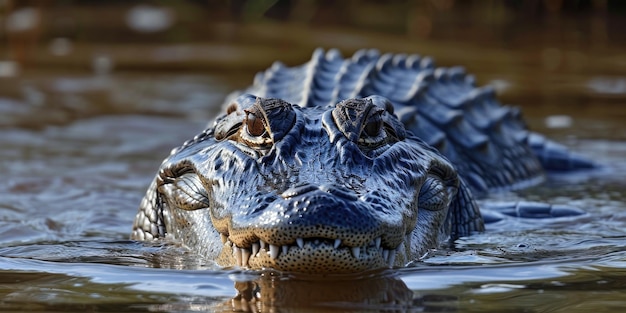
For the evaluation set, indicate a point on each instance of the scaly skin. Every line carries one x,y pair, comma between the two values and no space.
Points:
333,190
316,171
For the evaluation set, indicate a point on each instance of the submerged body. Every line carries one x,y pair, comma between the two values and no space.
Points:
343,165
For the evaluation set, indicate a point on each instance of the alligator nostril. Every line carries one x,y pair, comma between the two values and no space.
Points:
339,192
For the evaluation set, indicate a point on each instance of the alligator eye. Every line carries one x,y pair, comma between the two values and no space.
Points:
254,132
372,128
372,134
264,123
362,122
254,125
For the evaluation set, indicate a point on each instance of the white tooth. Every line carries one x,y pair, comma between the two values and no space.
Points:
255,248
224,238
229,243
237,254
273,251
377,242
262,244
385,254
245,256
285,249
300,242
392,258
356,251
337,243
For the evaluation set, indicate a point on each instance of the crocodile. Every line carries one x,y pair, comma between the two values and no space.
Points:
345,165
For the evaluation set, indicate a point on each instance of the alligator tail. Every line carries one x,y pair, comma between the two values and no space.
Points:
555,157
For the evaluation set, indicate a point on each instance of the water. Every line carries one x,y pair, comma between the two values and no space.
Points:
79,148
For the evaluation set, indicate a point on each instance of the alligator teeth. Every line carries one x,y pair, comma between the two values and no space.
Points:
392,258
255,248
273,251
389,256
237,254
245,256
242,256
356,251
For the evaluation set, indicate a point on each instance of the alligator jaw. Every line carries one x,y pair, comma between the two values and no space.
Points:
337,257
312,228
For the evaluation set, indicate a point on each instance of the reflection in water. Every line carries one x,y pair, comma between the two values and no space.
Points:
276,292
378,291
281,291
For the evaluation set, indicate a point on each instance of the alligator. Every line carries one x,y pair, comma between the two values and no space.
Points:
346,165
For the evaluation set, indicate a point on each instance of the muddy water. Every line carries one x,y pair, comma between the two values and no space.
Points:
78,149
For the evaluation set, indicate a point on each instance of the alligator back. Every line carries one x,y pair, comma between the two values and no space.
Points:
486,141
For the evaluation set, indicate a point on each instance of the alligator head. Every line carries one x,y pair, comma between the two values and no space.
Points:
336,189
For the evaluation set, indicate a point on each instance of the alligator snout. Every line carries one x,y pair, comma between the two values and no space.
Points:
322,212
333,223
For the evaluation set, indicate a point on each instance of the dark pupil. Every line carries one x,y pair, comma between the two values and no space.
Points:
373,127
254,125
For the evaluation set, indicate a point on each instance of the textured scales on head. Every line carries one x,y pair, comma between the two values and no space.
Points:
337,189
340,165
